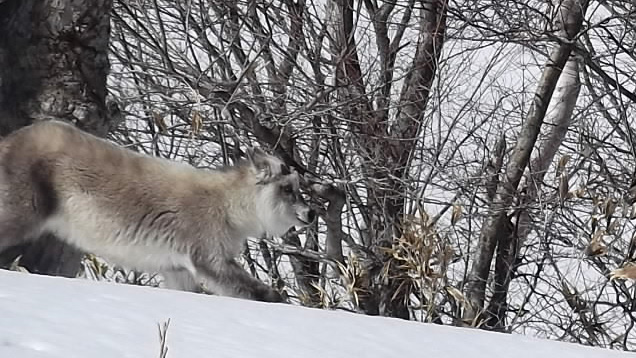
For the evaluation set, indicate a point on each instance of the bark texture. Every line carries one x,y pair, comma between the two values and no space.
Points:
53,65
558,117
496,228
387,146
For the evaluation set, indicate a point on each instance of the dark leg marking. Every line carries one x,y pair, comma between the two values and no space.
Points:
45,200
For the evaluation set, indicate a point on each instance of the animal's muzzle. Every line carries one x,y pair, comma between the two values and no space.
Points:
306,215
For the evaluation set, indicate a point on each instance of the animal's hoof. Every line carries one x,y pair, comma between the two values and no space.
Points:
271,295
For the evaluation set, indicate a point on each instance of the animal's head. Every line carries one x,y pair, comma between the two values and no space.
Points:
280,204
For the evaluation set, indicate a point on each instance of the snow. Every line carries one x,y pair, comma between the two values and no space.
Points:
43,316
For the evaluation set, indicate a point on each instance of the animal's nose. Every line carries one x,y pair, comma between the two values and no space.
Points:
311,215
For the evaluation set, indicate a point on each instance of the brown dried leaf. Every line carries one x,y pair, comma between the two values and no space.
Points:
197,122
626,272
609,206
457,295
159,121
563,161
612,226
579,193
632,211
457,214
596,247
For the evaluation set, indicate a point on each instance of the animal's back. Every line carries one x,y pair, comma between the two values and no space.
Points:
72,157
90,192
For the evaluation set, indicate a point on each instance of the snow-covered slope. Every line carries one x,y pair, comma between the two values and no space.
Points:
44,316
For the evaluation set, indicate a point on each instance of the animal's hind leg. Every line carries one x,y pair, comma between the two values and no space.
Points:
180,279
14,232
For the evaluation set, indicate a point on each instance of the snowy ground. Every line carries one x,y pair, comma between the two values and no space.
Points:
44,316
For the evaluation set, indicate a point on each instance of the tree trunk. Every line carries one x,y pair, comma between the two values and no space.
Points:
559,116
387,146
494,229
53,65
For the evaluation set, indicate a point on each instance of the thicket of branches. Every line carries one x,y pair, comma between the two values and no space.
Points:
461,176
471,162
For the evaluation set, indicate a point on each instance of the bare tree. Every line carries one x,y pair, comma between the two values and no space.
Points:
497,229
270,90
470,161
386,142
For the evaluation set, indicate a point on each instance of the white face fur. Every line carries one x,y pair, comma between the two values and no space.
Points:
280,204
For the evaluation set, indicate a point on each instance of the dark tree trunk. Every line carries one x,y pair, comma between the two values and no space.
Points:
507,240
53,65
387,145
570,19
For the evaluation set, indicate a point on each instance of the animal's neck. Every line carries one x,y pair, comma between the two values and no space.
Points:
245,218
236,196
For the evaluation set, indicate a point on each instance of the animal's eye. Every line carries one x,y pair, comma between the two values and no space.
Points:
287,189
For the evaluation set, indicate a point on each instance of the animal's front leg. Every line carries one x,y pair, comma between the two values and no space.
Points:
227,278
181,279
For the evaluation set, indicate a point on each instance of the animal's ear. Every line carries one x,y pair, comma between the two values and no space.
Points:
265,167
